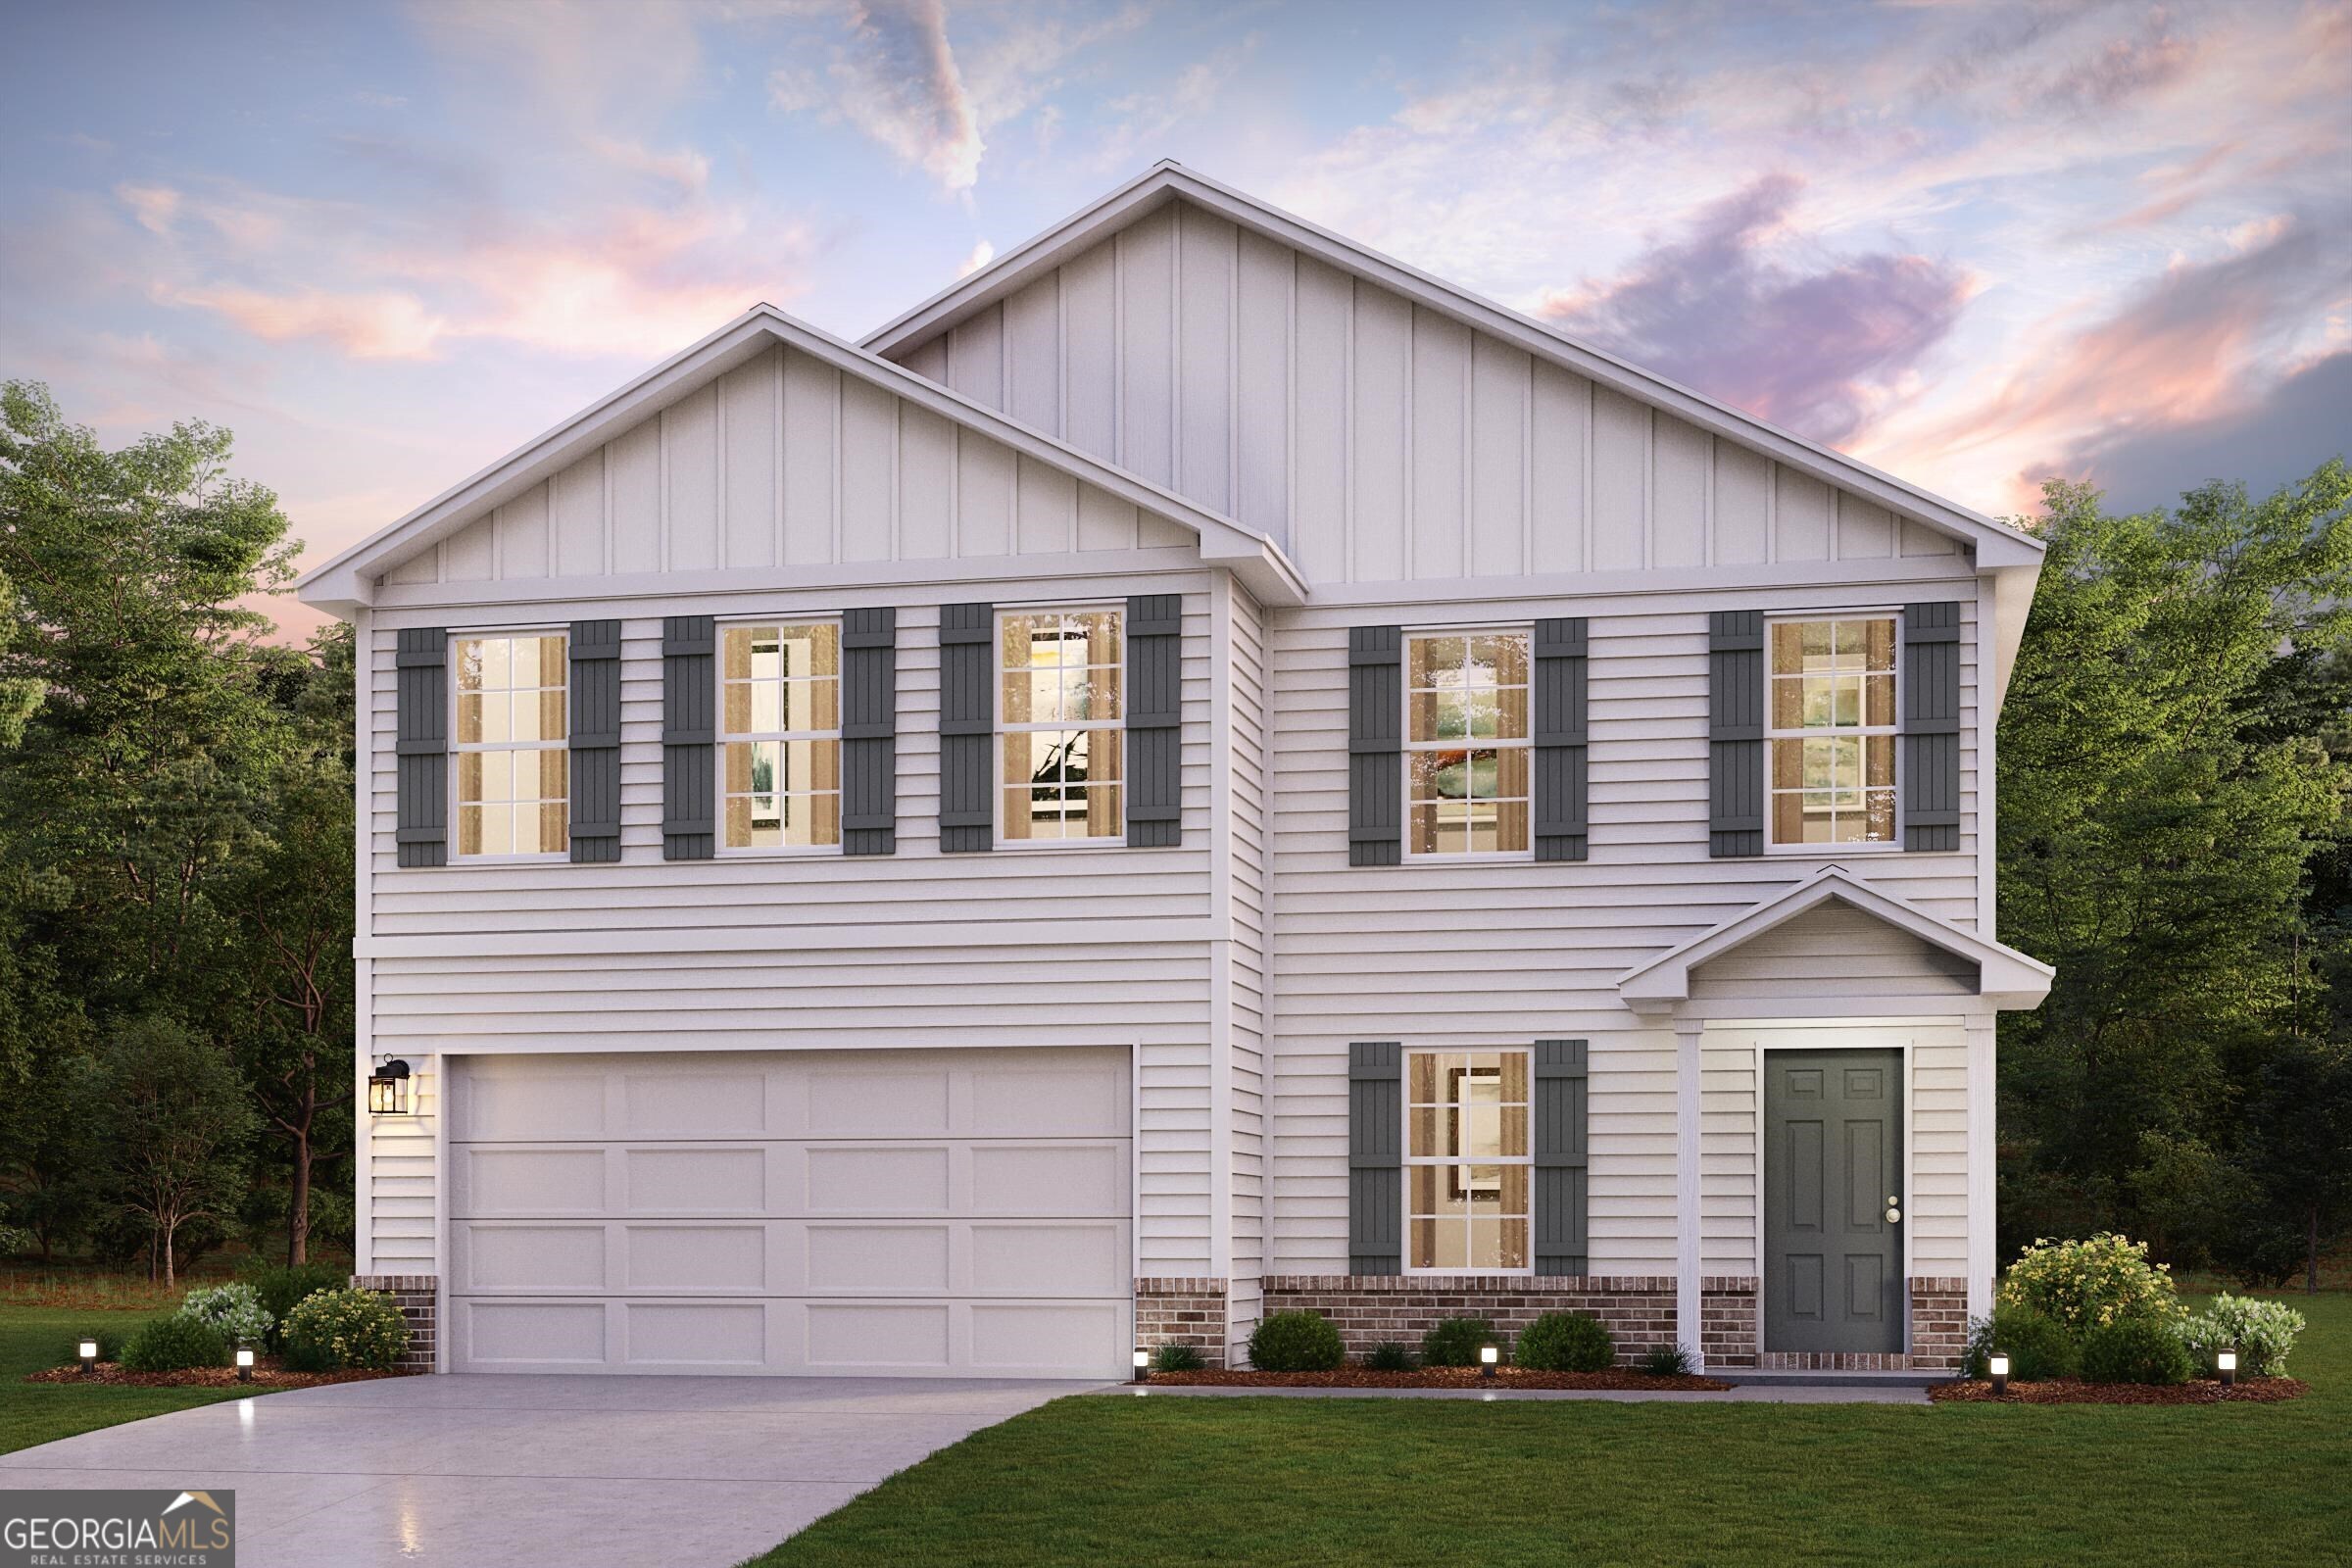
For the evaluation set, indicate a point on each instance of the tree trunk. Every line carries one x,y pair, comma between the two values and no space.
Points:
298,1206
171,1279
2310,1252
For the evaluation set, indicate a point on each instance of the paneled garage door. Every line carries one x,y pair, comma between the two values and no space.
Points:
956,1212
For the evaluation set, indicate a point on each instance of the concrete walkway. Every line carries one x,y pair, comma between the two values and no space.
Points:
1750,1394
534,1472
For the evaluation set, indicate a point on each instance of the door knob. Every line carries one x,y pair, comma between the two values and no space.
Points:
1894,1210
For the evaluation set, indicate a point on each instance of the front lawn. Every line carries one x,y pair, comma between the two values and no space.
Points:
1097,1480
34,1337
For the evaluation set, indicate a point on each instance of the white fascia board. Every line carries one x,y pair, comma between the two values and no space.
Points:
1996,543
344,582
2007,980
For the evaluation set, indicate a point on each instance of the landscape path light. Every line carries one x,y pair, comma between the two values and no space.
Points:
1143,1365
2226,1362
1488,1356
89,1357
244,1364
1999,1366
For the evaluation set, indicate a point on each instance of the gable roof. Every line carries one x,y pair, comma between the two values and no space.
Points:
348,580
1997,544
2005,977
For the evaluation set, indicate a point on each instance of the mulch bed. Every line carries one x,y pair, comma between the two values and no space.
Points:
2073,1390
1442,1377
267,1374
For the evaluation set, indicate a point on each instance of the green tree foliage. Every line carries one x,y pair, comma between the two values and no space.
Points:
179,1123
2170,774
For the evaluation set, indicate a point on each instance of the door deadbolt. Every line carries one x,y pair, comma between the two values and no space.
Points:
1894,1210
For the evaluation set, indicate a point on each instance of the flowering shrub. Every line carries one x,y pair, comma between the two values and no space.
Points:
329,1330
2089,1285
2260,1332
234,1311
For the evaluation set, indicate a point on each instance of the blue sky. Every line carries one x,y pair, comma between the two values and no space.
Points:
1974,243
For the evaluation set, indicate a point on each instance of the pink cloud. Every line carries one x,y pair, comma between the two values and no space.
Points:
376,326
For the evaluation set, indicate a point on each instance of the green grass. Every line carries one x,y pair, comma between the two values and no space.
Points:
1099,1480
33,1338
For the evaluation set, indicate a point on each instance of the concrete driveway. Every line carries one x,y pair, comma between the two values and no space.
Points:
527,1471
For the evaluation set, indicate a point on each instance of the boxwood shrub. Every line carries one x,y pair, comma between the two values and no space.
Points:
1566,1341
2038,1346
329,1330
2135,1349
175,1344
1455,1341
1296,1341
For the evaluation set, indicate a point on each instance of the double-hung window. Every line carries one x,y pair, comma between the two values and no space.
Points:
780,716
513,778
1832,729
1058,726
1466,743
1467,1169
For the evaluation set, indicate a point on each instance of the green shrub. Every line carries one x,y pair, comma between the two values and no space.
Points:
2038,1346
109,1347
2087,1284
279,1288
1296,1341
2260,1332
331,1330
1665,1361
1455,1341
1176,1359
1388,1356
173,1345
1565,1342
2135,1349
234,1311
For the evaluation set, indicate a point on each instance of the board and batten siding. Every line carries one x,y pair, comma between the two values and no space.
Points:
1374,439
786,461
1504,954
932,947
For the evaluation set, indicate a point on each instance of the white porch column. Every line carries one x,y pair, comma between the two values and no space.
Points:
1687,1127
1982,1235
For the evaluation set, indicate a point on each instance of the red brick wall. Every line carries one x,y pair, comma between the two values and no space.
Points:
416,1296
1727,1320
1370,1308
1182,1311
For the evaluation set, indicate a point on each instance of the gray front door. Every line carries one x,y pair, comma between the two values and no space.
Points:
1832,1167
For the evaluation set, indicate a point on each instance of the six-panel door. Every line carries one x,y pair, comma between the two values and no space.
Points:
1832,1175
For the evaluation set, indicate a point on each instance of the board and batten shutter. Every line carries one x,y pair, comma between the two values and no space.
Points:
1155,722
967,721
1376,1157
1563,770
869,731
1562,1195
1931,801
689,738
1735,733
1375,746
420,746
595,742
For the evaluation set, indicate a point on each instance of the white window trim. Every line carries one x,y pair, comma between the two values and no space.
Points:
1893,846
719,769
562,856
998,730
1408,1164
1407,747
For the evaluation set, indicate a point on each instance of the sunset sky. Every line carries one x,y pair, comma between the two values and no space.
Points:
1974,244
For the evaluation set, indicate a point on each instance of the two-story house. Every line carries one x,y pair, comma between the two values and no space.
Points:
1200,770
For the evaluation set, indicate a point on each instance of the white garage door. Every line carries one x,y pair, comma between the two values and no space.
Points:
955,1212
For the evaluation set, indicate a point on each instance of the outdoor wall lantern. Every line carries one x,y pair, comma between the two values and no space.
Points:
89,1357
1143,1365
244,1365
388,1088
1999,1366
2226,1363
1488,1356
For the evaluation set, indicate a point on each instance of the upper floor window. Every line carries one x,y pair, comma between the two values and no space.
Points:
1467,1168
1466,743
514,779
1059,716
780,718
1832,729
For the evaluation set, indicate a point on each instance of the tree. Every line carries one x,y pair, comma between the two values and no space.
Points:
2299,1148
179,1120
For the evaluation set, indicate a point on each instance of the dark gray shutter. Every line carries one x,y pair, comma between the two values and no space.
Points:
1376,1157
595,740
1375,746
869,732
1562,1197
1735,732
967,724
420,697
689,738
1930,726
1155,722
1560,763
